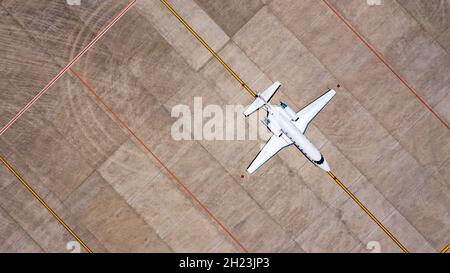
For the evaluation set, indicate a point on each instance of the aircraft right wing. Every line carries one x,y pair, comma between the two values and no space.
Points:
272,147
307,114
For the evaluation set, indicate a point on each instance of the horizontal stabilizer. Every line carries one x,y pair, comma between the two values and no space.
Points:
257,103
262,99
269,92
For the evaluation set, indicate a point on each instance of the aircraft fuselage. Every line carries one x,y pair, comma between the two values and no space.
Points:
282,122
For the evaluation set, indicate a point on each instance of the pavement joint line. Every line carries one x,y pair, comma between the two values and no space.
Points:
67,67
34,193
380,57
172,174
255,95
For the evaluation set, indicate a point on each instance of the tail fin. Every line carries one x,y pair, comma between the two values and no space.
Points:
262,99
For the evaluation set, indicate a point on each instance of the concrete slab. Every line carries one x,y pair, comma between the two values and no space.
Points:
32,217
13,238
70,108
25,69
443,110
129,170
230,89
434,154
427,210
293,205
262,234
352,215
178,36
379,140
406,46
111,219
62,172
117,86
404,232
327,234
196,227
230,15
62,37
433,16
444,40
96,14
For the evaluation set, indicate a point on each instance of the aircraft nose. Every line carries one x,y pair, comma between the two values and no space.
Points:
324,166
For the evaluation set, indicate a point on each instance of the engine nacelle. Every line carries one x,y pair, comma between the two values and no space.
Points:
291,114
273,127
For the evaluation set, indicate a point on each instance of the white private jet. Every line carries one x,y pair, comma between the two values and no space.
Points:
288,127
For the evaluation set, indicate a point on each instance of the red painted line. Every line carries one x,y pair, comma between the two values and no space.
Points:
88,87
378,55
68,66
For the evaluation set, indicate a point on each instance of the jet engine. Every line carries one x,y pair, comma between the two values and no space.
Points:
291,114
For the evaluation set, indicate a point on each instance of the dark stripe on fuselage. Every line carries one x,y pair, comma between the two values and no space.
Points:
320,161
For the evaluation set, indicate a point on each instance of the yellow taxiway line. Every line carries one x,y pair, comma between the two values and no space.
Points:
209,49
445,249
255,95
30,189
367,211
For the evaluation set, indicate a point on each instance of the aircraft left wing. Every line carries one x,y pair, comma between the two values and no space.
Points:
272,147
307,114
